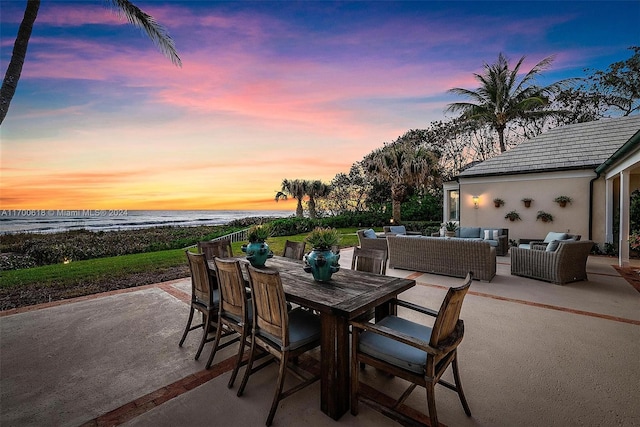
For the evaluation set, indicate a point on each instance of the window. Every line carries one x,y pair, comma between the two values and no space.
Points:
454,205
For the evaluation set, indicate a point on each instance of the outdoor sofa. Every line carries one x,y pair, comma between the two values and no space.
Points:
567,263
442,255
495,236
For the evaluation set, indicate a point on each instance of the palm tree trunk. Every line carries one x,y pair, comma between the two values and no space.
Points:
503,148
312,207
299,210
395,209
11,77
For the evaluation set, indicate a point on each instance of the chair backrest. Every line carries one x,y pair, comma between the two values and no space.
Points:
201,286
294,250
216,249
269,303
449,313
233,295
369,260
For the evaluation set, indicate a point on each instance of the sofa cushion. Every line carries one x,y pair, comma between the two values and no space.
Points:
469,232
370,234
490,234
551,236
398,229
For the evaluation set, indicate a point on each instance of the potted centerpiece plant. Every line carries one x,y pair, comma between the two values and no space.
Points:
497,202
544,216
512,216
322,262
563,200
257,250
527,202
450,228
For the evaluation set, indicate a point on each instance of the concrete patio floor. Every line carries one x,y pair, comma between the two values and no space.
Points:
534,353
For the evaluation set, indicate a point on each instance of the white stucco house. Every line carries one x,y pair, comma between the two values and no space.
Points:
593,163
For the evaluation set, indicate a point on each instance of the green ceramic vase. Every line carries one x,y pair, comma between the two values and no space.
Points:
257,253
321,264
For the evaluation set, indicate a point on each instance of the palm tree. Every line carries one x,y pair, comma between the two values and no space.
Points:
502,97
403,165
134,15
294,188
315,189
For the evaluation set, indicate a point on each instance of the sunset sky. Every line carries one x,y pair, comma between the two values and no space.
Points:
267,90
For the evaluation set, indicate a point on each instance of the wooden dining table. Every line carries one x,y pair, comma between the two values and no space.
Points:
346,296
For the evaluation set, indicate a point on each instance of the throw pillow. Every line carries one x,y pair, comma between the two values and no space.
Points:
491,234
487,234
552,246
370,234
551,236
398,229
495,234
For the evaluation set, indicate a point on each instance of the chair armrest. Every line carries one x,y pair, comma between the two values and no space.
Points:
437,234
538,245
417,308
414,233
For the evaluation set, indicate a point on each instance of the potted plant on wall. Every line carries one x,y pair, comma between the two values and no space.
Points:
322,262
257,250
497,202
527,202
512,216
563,200
544,216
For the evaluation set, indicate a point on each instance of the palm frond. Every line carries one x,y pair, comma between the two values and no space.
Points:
156,32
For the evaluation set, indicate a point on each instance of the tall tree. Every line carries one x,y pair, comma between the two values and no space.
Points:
134,15
402,164
294,188
503,97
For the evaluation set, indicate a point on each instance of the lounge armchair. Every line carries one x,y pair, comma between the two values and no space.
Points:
568,263
368,241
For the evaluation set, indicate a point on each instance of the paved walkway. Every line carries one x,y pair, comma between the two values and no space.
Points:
533,354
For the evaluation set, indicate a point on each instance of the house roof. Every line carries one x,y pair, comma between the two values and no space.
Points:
579,146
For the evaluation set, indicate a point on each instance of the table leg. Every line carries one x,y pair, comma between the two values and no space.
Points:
334,387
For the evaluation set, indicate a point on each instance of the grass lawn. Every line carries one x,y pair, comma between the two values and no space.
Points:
119,267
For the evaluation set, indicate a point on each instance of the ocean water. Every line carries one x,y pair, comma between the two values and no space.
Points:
54,220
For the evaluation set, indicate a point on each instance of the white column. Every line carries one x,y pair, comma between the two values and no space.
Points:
623,259
608,236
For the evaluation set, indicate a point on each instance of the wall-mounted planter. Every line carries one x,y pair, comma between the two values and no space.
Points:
512,216
527,202
498,202
563,200
544,216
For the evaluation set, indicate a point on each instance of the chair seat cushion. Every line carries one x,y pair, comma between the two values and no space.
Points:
394,352
304,327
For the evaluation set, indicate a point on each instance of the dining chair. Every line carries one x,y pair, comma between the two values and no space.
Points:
216,248
204,298
294,250
413,351
234,314
369,260
282,333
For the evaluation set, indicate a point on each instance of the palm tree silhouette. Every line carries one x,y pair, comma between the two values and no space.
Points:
134,15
